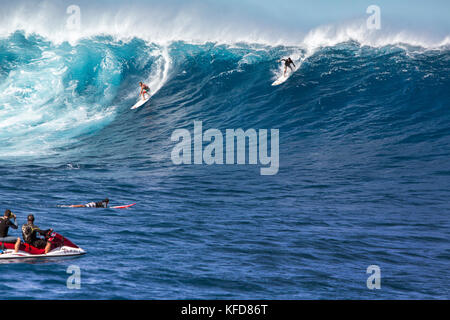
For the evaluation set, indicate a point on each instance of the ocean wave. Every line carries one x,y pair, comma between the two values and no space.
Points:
54,95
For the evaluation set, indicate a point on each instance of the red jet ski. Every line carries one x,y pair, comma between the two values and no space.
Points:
61,247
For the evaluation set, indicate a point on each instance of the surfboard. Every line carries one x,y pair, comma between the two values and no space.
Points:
281,79
116,207
123,207
140,103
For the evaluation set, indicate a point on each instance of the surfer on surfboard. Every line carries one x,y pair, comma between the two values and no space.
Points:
100,204
144,90
287,63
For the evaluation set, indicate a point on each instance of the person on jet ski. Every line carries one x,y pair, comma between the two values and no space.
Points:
100,204
9,220
30,231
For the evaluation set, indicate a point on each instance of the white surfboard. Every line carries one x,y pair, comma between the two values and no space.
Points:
140,103
281,79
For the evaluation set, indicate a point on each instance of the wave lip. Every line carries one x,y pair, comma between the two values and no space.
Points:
330,35
171,21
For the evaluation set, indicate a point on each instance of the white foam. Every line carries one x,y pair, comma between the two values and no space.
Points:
331,35
159,74
38,114
190,22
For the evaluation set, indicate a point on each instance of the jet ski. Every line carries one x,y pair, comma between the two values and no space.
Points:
61,247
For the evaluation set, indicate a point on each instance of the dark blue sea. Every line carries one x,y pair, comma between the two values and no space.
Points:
364,170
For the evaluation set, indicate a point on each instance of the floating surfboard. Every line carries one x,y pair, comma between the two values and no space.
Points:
123,207
140,103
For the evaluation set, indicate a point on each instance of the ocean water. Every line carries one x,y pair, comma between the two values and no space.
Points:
364,175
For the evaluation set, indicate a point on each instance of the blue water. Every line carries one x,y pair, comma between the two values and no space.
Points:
364,175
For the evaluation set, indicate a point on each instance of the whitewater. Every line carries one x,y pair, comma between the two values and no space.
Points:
363,178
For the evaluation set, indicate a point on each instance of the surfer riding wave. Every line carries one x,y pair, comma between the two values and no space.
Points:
287,63
145,90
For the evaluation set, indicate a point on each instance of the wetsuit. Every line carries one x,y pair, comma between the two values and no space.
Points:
5,223
100,204
29,233
288,62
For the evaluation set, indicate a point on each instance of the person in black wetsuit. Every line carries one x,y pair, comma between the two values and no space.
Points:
5,223
287,63
100,204
30,231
